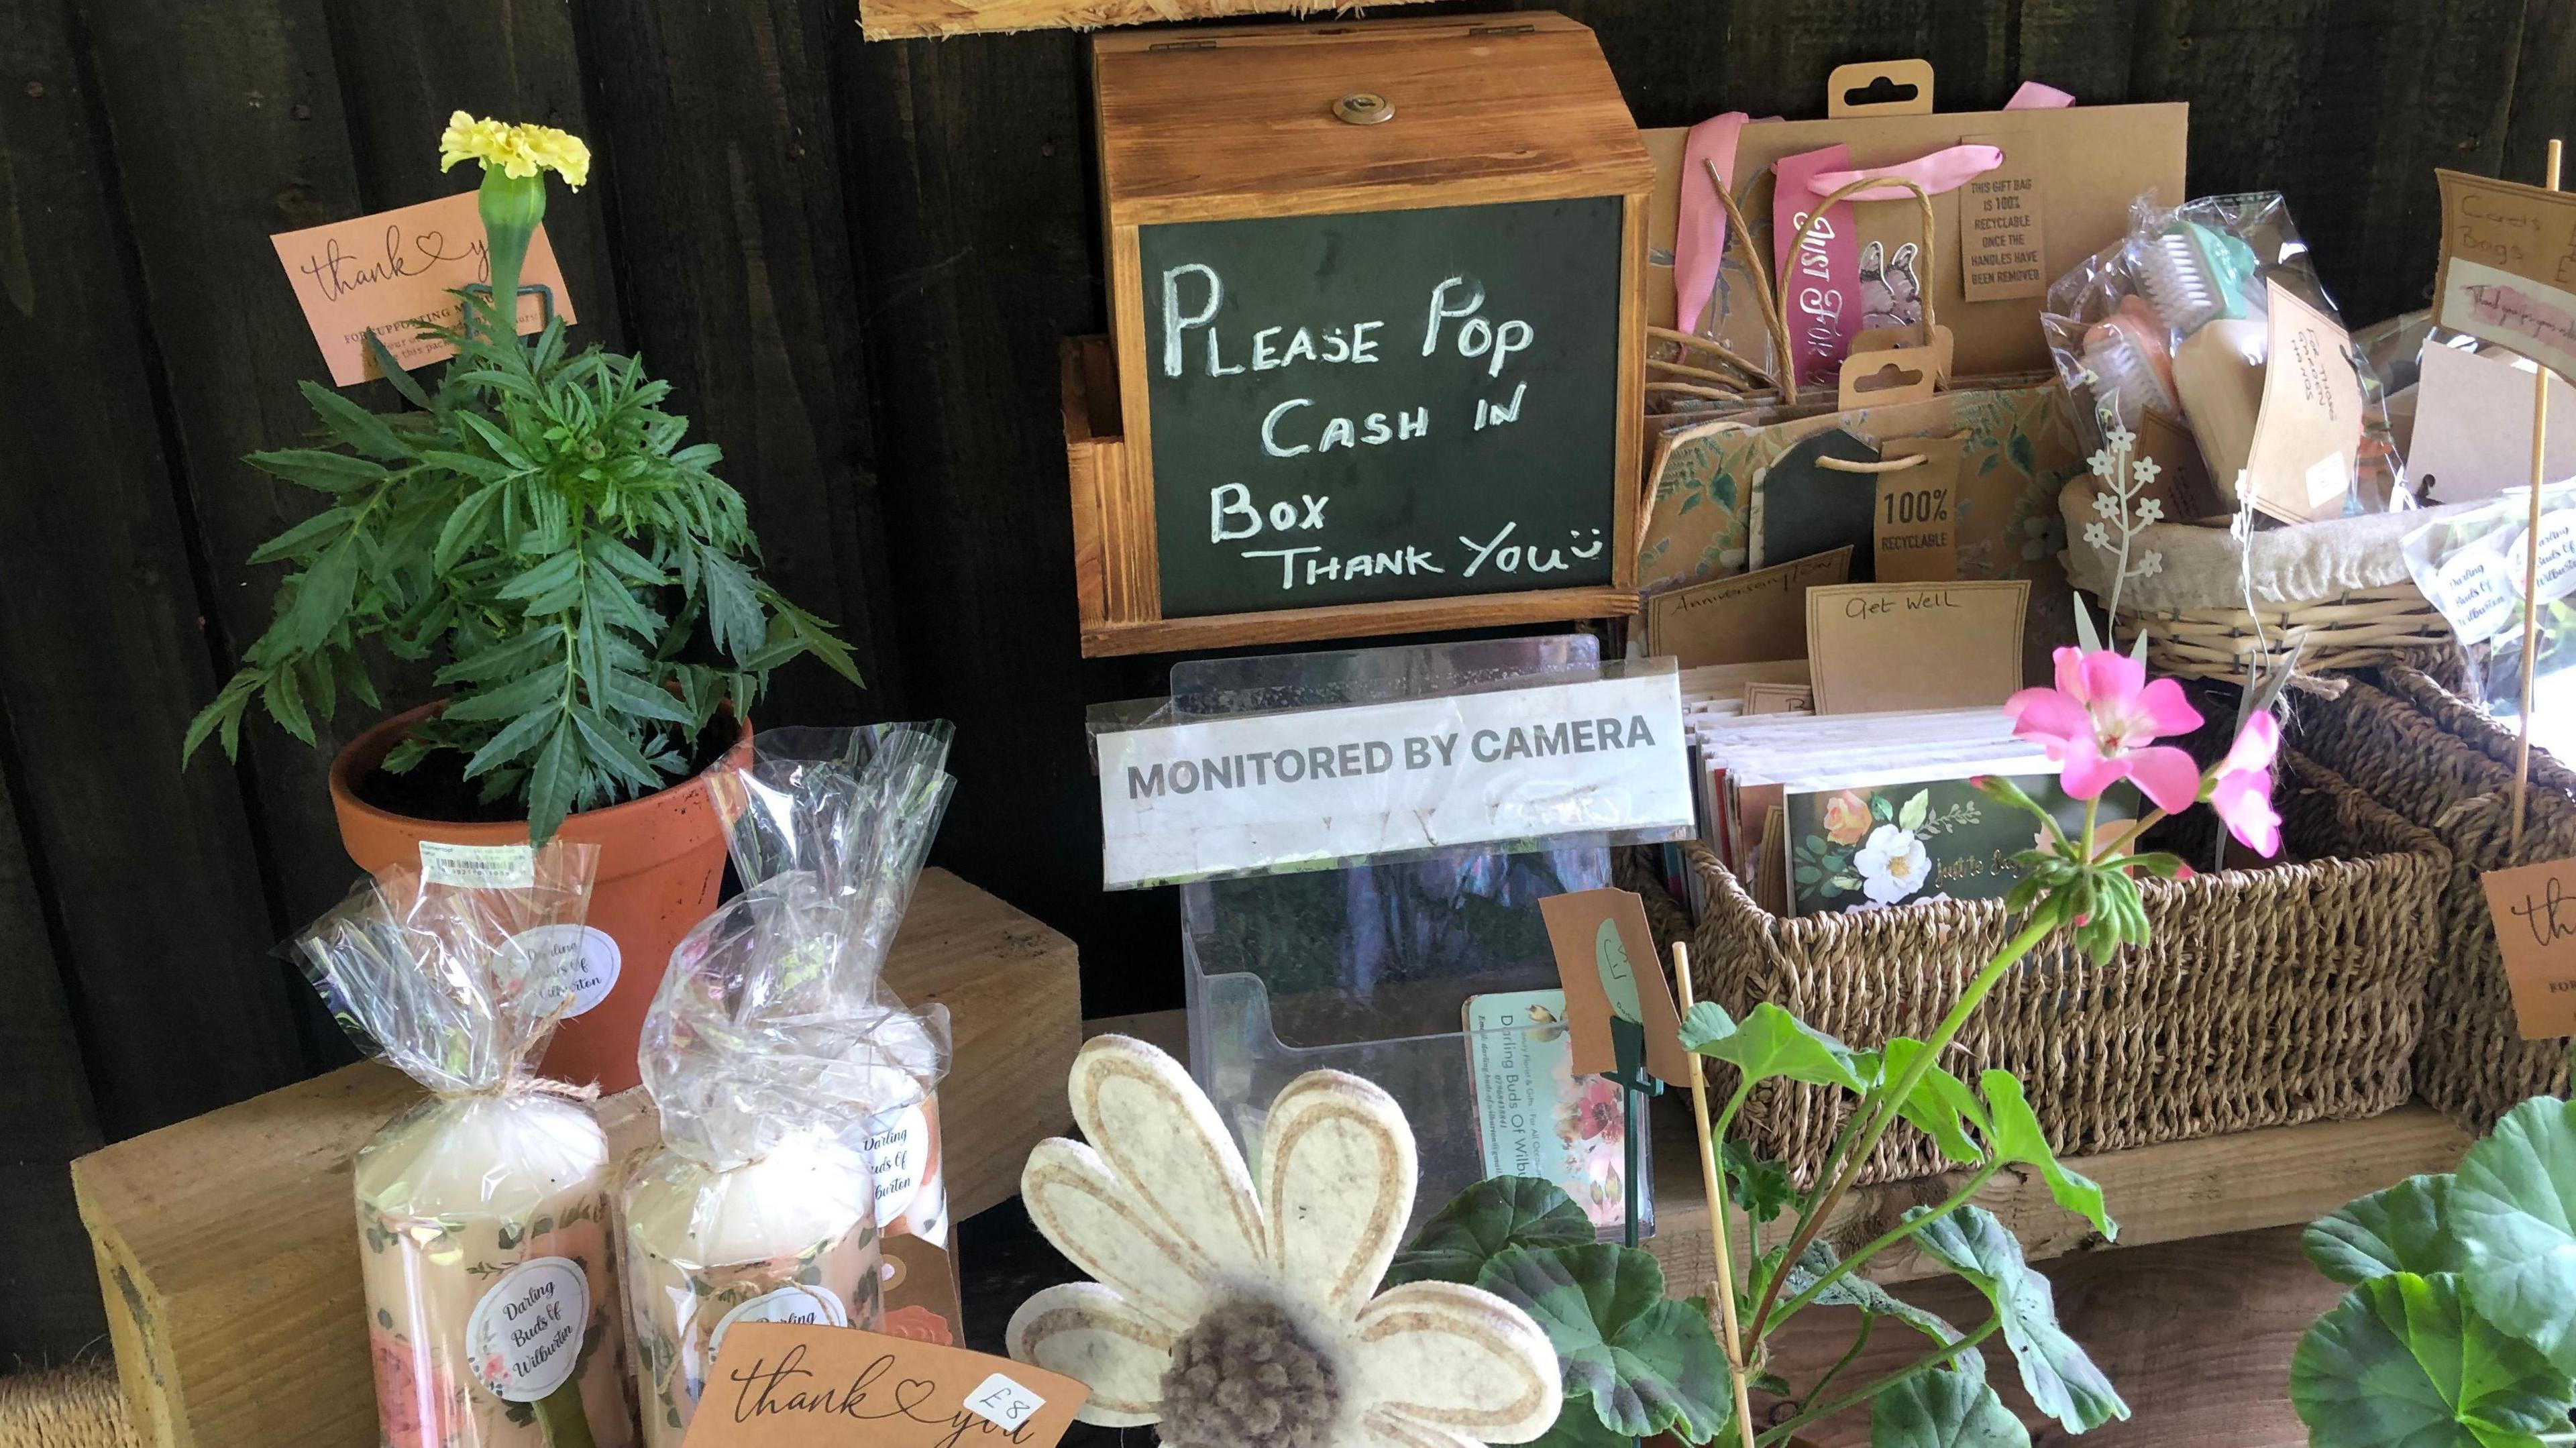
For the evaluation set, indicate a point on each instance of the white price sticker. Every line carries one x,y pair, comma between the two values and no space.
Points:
1003,1403
478,867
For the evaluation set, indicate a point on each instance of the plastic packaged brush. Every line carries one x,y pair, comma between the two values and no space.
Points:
2126,351
782,1067
483,1213
2194,275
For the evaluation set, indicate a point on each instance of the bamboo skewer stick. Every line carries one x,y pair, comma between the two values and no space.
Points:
2531,569
1733,1337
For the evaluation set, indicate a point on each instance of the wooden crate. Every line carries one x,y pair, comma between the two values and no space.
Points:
227,1249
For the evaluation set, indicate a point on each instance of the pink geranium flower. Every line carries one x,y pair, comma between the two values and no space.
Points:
2242,793
2100,725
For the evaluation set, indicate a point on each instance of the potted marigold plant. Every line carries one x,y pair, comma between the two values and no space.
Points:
540,527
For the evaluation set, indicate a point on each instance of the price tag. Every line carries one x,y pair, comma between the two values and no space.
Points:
1003,1403
2534,909
478,867
1913,530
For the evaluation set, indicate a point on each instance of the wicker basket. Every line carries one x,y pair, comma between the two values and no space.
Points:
2434,758
2265,997
2339,589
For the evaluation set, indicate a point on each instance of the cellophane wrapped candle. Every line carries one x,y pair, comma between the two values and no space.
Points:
777,1060
485,1242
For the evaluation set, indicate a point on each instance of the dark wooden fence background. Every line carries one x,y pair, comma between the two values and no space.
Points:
854,260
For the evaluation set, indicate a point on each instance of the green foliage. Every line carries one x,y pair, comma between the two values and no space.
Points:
1483,1222
1648,1363
1944,1410
2015,1137
1940,1106
1631,1357
2511,1203
2061,1380
1852,1290
2404,1228
2403,1362
2460,1327
541,526
1771,1042
1756,1184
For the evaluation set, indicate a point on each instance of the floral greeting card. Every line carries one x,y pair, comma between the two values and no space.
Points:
1899,844
1536,1118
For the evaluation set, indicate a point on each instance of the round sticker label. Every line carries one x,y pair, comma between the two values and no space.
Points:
585,959
795,1302
899,1155
525,1334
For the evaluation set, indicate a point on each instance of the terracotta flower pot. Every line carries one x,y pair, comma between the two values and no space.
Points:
661,862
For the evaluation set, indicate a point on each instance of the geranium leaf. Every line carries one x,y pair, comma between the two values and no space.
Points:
2016,1136
2404,1228
1649,1363
1577,1426
1771,1042
2061,1380
2511,1203
1943,1410
1940,1106
1854,1290
1706,1024
1484,1221
2403,1362
1756,1183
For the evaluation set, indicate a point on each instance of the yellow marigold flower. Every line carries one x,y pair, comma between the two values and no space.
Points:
517,150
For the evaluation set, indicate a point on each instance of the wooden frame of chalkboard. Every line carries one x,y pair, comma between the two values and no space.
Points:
1363,378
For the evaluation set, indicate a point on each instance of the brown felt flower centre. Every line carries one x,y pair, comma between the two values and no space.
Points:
1245,1377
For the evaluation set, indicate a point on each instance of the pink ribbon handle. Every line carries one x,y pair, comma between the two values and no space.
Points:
1945,170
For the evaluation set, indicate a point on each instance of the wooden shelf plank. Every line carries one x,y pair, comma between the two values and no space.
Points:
2275,1177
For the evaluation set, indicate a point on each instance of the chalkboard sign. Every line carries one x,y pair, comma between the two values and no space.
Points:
1389,405
1376,361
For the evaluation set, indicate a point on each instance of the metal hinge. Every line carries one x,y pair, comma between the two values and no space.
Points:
1476,31
1182,45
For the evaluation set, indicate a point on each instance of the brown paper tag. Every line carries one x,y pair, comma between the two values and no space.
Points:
1605,955
2003,245
1761,698
794,1385
2534,908
1745,618
1876,647
1916,540
2309,430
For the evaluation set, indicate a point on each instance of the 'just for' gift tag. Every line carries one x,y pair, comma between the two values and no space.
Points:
2534,909
1614,983
798,1385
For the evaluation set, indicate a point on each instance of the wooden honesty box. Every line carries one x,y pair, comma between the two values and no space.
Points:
227,1246
1375,357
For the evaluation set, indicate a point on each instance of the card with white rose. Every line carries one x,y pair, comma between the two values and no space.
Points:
1869,846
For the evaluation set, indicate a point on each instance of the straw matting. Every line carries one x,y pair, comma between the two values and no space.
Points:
66,1407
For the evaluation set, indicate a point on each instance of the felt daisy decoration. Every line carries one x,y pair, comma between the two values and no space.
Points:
1238,1314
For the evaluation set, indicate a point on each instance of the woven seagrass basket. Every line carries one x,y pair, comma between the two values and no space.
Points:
2436,759
2336,590
2264,998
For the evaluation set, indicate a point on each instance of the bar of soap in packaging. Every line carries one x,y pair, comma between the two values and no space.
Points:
791,1086
483,1213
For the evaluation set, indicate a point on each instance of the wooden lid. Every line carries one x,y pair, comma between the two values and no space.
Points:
1208,124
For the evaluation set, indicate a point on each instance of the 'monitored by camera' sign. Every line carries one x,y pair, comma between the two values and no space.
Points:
1281,791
